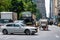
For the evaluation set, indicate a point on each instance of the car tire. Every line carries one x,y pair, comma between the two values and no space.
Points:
5,32
32,33
27,32
11,33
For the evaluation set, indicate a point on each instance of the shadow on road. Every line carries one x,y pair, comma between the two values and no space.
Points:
45,30
22,34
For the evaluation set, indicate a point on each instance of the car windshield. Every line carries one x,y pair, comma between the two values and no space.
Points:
23,25
17,25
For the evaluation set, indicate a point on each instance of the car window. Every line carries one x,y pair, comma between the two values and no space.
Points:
16,25
10,25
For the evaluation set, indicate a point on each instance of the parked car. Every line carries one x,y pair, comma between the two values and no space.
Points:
18,28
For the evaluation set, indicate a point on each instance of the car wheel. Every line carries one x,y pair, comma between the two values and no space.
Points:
27,32
33,33
5,32
11,33
44,28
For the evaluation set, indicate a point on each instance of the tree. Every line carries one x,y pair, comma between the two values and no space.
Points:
16,6
38,15
4,5
29,6
2,8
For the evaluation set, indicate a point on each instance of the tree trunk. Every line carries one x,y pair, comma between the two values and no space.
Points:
18,16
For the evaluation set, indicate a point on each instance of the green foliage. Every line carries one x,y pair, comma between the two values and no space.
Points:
4,5
29,6
38,15
2,8
20,16
17,6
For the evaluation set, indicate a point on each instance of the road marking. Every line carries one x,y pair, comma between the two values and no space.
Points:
0,33
9,37
6,37
57,36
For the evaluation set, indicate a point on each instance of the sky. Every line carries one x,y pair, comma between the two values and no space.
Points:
47,2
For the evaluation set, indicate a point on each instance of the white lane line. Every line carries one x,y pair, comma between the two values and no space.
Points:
6,37
57,36
9,37
0,33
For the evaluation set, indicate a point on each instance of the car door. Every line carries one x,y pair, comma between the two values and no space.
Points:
10,27
17,28
21,28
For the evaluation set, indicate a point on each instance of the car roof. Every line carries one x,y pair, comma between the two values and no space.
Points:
9,23
12,23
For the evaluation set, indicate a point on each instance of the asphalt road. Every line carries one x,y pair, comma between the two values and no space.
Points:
52,34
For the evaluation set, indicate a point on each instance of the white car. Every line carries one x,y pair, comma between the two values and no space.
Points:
12,28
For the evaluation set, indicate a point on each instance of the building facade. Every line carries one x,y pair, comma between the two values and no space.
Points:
53,10
58,10
41,7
